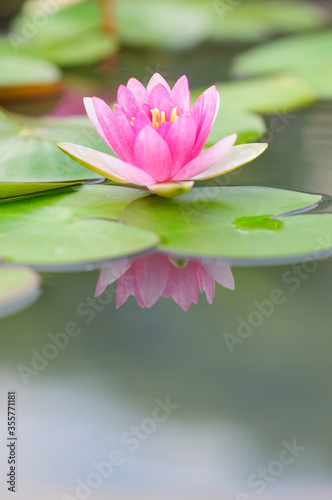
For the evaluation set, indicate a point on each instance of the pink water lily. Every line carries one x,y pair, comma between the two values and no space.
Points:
149,278
158,138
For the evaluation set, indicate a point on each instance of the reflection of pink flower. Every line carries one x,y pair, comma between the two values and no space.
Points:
157,137
148,278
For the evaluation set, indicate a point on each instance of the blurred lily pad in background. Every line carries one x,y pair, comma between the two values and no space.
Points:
248,126
156,24
25,77
267,95
308,56
254,21
68,35
19,288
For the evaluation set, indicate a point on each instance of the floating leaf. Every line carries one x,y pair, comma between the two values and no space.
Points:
320,80
19,287
71,230
256,20
28,151
10,190
287,54
258,222
267,95
204,223
248,126
70,35
156,24
308,56
24,76
89,48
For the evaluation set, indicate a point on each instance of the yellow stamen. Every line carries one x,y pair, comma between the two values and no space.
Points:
157,114
159,117
154,113
174,115
132,120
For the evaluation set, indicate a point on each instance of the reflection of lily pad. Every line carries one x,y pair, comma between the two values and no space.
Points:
158,24
255,20
70,36
308,56
202,223
24,76
72,229
19,287
248,126
28,151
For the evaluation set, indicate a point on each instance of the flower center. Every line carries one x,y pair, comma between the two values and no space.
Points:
159,117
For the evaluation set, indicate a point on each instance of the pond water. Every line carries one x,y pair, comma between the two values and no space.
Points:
191,413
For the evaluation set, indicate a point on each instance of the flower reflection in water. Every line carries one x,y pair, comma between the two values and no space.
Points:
158,275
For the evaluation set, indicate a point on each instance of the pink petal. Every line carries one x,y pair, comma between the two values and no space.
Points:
106,165
220,272
155,80
147,110
163,129
125,286
204,111
181,139
102,118
206,283
127,100
160,98
151,277
126,134
138,90
205,160
181,95
236,157
110,274
138,297
153,155
182,286
141,121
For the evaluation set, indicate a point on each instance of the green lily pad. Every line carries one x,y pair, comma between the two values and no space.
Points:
70,35
11,190
28,151
205,223
271,94
258,222
320,80
248,126
256,20
78,229
24,76
308,56
155,24
287,54
280,93
19,288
